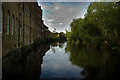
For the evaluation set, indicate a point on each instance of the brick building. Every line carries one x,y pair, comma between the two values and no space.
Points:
22,24
45,32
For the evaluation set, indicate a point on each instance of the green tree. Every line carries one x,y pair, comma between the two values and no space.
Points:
99,27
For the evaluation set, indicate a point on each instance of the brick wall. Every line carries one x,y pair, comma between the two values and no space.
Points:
24,24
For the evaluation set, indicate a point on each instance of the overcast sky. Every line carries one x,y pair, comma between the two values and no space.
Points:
59,15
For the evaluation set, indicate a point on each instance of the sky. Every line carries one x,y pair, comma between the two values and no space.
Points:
59,15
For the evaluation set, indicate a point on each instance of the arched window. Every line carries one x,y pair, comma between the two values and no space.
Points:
1,18
2,29
12,24
16,29
8,22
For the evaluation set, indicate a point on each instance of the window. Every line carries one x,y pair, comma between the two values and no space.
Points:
20,28
20,5
42,25
25,9
1,17
12,24
42,30
16,29
8,22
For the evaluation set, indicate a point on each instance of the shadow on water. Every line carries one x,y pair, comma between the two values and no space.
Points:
96,64
29,69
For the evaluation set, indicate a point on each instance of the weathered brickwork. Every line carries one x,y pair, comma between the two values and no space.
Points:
22,24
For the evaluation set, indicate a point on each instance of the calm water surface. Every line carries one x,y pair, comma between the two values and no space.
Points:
57,64
62,60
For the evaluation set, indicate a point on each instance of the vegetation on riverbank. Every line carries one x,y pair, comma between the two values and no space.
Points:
96,62
100,27
56,37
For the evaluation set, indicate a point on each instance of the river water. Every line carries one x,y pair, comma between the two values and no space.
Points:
57,64
62,60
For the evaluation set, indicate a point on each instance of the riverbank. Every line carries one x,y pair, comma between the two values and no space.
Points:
105,47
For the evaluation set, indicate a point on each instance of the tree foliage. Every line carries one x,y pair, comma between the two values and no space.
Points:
99,27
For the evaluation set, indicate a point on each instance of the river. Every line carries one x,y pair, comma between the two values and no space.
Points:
62,60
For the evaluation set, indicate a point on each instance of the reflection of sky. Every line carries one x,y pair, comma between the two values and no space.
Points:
57,65
59,15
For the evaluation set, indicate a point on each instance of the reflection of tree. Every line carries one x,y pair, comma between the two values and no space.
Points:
53,49
61,45
54,30
54,44
96,63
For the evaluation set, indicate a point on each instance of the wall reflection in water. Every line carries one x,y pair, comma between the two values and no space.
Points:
29,69
97,64
77,62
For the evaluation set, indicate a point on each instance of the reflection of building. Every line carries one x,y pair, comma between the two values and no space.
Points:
34,61
29,69
22,24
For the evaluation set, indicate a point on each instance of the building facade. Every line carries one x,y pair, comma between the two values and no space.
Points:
45,32
22,24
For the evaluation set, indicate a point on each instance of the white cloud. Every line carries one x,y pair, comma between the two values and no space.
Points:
49,24
57,7
50,20
60,23
59,15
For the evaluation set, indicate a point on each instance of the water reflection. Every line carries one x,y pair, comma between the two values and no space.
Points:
30,69
62,60
60,45
97,64
56,64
